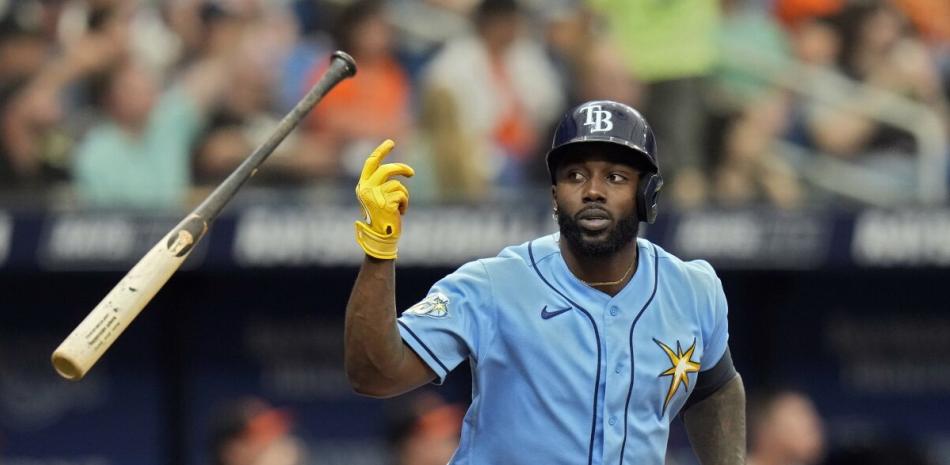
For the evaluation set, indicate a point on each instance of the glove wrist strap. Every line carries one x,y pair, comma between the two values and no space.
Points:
374,244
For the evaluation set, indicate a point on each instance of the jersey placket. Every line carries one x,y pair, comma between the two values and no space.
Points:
620,317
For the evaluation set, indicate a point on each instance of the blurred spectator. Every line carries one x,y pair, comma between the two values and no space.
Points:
23,50
590,63
784,429
876,50
251,432
671,46
210,27
188,20
312,45
424,430
603,76
370,107
880,49
931,18
816,42
568,34
751,170
750,31
139,156
424,25
752,113
245,116
502,92
35,142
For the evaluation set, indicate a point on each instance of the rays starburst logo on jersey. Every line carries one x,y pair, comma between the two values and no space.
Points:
433,306
683,365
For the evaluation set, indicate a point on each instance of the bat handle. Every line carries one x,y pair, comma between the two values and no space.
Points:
342,66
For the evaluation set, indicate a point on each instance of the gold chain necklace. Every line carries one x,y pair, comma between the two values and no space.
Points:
612,283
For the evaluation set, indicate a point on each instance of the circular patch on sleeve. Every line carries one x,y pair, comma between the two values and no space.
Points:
435,305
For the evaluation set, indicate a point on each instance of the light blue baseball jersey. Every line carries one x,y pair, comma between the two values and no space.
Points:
564,373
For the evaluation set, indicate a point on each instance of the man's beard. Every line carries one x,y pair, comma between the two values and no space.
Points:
618,236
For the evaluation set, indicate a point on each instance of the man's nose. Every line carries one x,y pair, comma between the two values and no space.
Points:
594,190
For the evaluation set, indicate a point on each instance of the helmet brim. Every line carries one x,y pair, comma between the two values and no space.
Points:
641,160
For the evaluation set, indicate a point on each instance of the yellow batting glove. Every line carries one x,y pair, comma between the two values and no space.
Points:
384,201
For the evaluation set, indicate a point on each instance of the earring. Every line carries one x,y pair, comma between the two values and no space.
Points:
554,215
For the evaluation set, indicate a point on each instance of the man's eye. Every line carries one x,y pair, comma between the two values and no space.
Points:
575,176
614,177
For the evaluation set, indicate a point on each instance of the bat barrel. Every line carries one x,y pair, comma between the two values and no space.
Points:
66,366
115,312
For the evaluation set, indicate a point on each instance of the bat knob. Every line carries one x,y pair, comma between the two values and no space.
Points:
348,62
66,367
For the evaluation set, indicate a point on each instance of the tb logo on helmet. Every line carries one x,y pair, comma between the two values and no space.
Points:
598,118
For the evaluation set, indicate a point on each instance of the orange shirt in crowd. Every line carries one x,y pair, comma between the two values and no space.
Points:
374,103
512,131
930,17
791,12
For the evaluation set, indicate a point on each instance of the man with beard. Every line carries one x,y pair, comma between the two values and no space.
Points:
584,344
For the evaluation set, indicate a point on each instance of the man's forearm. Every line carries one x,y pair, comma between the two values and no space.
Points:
376,360
716,426
372,345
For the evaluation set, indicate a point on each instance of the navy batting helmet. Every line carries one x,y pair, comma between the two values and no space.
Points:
605,121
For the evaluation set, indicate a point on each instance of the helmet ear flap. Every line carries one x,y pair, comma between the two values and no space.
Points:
648,192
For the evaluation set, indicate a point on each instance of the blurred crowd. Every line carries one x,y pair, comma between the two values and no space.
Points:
784,428
419,429
146,104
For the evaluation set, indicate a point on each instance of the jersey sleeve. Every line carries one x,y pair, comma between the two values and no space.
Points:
714,320
450,323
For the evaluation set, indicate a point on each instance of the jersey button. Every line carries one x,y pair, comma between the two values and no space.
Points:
612,421
618,369
613,311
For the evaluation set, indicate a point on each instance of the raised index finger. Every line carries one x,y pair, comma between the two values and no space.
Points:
375,158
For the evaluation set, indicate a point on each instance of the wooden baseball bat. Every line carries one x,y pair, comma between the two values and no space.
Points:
86,344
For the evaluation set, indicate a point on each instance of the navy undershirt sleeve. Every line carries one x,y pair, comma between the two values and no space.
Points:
711,380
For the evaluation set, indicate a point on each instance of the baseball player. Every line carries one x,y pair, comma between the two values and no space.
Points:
583,344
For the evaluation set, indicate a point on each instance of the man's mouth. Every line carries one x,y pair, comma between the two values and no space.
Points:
593,219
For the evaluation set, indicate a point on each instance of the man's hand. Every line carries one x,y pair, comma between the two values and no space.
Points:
384,201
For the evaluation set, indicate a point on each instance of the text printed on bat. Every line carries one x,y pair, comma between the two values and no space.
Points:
102,332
